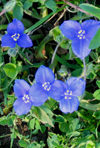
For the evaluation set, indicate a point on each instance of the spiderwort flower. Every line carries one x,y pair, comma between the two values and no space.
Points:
23,104
45,86
15,35
80,34
73,88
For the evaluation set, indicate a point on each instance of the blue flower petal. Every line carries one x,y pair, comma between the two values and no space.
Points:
76,85
24,41
57,90
15,27
69,105
90,27
7,41
80,47
21,88
70,29
21,107
37,94
44,74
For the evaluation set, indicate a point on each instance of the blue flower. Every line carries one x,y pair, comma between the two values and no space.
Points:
73,88
23,104
45,86
80,34
15,35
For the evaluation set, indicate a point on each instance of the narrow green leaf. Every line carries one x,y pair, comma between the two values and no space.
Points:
85,104
95,11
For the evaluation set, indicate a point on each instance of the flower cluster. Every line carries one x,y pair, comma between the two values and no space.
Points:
15,35
46,86
80,34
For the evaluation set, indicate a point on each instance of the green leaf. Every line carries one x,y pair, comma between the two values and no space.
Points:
97,114
3,120
95,11
97,94
64,127
22,143
85,104
98,83
95,42
9,5
90,144
27,4
32,123
42,116
18,11
10,70
51,5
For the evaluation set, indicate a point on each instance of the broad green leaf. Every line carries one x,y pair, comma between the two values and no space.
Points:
98,83
97,94
27,4
95,11
51,5
18,12
42,116
95,42
32,123
10,70
3,120
22,143
64,127
97,114
90,144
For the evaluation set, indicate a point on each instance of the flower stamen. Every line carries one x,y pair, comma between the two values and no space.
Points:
67,94
81,34
46,86
15,36
26,98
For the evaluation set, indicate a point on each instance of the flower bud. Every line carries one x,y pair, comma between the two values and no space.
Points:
9,5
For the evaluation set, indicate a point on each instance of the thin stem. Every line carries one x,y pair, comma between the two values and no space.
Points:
54,53
84,69
77,8
2,12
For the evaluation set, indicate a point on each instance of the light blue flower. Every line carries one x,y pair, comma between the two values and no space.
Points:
46,86
15,35
23,104
80,34
68,100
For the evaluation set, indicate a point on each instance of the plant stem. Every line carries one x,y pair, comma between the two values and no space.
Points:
84,69
77,8
55,53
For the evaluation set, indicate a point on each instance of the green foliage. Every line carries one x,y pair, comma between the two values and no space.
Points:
46,125
95,11
95,41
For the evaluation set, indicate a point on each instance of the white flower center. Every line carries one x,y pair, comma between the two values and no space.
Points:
46,86
81,34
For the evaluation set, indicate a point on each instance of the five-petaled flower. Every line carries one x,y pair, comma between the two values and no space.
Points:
23,104
68,100
45,86
15,35
80,34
